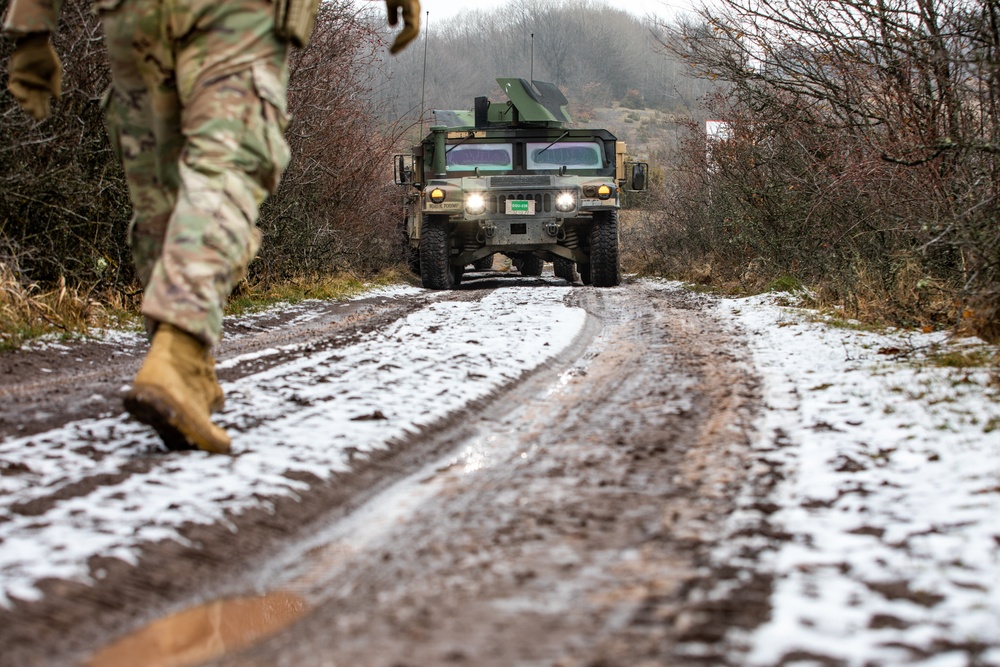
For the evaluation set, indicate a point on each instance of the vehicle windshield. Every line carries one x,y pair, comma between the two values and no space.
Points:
486,157
571,154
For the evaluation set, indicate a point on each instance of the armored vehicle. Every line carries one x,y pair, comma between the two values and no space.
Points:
512,178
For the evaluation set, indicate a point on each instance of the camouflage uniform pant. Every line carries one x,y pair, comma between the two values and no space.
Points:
196,111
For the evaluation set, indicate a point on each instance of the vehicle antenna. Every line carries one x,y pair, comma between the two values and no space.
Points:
423,82
531,72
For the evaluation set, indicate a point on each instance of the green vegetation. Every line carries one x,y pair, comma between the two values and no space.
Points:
255,298
789,284
965,358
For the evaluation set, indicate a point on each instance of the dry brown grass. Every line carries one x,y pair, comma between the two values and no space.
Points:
982,317
652,244
27,311
251,297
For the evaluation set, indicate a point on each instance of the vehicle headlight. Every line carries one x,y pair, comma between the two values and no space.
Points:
475,204
604,192
565,202
437,195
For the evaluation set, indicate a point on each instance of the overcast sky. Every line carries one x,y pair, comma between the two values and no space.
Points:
443,9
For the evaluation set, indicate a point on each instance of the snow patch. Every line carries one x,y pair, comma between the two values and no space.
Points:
315,414
891,493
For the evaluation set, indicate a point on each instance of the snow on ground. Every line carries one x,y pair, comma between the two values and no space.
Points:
891,494
305,311
891,465
312,414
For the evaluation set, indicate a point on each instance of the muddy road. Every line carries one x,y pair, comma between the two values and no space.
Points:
519,472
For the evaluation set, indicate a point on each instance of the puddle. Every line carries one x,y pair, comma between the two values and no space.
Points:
192,636
196,635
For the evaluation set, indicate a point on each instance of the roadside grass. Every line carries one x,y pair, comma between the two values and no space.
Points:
912,305
974,358
250,298
657,241
833,317
28,312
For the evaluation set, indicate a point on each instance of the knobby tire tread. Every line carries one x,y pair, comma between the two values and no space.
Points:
604,267
435,256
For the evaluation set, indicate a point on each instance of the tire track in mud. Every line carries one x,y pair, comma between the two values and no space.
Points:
584,537
71,616
47,387
583,540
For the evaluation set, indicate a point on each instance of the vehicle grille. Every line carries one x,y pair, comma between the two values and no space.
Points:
527,181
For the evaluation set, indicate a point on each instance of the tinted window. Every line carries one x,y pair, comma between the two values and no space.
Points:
572,154
496,157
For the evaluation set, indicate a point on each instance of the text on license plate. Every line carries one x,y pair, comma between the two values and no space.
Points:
520,207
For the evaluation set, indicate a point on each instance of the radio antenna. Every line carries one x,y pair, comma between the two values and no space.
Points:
423,83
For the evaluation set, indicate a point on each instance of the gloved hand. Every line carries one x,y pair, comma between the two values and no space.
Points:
411,21
35,74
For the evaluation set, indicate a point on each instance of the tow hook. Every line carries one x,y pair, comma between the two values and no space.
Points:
552,228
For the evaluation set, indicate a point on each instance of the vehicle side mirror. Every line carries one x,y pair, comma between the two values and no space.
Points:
402,167
402,173
637,180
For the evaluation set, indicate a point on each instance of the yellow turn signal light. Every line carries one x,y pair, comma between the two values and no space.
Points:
604,192
437,195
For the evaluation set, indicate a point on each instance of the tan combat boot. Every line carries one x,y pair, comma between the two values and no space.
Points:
218,399
175,391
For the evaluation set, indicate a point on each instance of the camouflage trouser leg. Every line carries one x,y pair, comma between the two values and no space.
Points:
197,111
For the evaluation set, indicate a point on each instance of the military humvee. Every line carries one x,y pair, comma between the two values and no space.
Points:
511,178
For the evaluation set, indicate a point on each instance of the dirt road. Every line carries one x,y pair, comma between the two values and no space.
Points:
562,515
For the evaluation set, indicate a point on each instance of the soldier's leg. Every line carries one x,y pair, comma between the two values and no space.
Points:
176,388
231,73
143,119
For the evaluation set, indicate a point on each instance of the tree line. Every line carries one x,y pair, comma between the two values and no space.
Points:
596,53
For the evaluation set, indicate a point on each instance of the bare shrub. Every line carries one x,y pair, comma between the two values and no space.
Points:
64,206
27,309
863,155
337,207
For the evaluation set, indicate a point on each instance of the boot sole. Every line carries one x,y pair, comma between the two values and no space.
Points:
160,414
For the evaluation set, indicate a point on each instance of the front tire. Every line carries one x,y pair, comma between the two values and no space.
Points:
563,268
483,263
532,266
436,271
604,266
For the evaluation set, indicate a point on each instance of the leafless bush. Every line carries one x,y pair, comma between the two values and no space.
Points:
64,206
863,155
336,208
